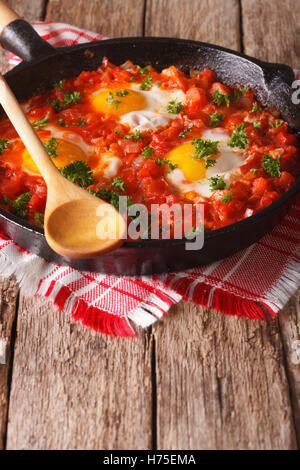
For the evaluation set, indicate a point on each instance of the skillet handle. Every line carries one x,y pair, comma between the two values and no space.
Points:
19,37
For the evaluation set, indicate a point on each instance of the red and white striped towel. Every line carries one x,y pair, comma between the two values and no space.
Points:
111,304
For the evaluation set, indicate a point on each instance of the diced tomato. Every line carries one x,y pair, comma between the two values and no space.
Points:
268,198
217,86
283,139
196,98
260,186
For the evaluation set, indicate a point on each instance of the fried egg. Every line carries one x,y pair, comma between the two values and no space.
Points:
191,178
72,147
140,109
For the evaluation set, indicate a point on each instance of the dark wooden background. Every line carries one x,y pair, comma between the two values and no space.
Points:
197,379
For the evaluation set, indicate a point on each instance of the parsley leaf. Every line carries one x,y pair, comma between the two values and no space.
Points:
174,107
80,123
118,183
59,85
3,145
78,172
19,206
147,83
122,93
39,218
255,108
56,105
51,147
219,99
147,152
227,198
254,170
205,148
257,124
185,131
111,100
271,165
143,70
61,122
276,124
41,123
172,166
161,161
136,136
216,182
239,137
72,97
215,119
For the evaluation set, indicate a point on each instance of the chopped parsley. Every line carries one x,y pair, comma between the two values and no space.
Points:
61,122
118,183
78,172
204,149
227,198
56,105
255,108
271,165
117,130
172,166
80,123
143,70
215,119
147,152
110,196
244,90
219,99
3,145
122,93
111,100
59,85
216,182
19,206
72,97
161,161
174,107
185,131
276,124
257,124
147,83
136,136
41,123
39,218
52,147
254,170
239,137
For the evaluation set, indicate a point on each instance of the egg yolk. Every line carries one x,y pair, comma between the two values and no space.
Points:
119,102
183,156
67,153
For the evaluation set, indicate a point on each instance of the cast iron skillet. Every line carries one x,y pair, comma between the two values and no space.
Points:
44,65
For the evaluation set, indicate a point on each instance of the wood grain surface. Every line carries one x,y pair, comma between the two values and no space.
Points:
197,379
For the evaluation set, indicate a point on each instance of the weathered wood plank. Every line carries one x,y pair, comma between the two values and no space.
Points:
290,328
276,38
216,22
73,388
8,297
221,382
112,18
271,30
8,288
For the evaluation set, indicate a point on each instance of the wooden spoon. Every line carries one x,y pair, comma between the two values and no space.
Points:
77,224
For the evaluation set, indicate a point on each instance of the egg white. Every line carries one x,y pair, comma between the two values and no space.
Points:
155,113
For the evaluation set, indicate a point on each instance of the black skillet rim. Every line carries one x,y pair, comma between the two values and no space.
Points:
267,67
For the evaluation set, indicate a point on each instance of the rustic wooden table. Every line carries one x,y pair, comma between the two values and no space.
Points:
197,379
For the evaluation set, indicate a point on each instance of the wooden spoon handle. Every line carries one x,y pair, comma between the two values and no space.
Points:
25,130
7,15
